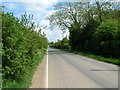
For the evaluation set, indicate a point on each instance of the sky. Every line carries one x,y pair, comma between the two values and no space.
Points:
40,9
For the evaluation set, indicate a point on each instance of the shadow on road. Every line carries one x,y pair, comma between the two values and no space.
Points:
51,52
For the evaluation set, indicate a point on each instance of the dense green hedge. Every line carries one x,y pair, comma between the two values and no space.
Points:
21,43
107,38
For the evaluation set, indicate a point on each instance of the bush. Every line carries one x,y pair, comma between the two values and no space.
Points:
20,46
107,39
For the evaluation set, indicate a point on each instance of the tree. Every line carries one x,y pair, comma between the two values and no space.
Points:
83,20
65,43
67,13
106,38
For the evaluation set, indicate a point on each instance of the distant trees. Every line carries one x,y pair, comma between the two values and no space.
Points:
93,26
21,44
61,44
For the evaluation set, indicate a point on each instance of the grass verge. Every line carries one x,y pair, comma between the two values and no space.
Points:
25,83
100,58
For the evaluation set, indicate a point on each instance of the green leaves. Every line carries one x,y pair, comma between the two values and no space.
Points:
61,44
106,38
93,26
20,46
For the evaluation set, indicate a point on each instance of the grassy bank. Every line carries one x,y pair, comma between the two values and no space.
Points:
100,58
26,81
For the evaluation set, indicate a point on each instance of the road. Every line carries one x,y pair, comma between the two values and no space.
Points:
67,70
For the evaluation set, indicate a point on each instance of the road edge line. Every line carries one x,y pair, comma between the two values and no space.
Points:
47,70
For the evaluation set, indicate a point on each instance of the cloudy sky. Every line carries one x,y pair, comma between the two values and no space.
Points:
40,9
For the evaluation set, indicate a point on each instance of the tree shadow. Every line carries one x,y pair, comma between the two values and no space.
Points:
53,52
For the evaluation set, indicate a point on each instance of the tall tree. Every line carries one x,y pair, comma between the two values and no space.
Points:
99,10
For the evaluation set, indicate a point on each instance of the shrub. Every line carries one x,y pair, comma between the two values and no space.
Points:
106,38
20,46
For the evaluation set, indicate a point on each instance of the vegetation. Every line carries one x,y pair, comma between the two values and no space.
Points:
93,27
93,30
96,57
23,49
61,44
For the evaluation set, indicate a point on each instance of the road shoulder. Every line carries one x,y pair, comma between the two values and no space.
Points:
38,79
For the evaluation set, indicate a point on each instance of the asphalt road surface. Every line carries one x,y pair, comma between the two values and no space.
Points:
67,70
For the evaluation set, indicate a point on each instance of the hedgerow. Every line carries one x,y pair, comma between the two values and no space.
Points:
21,44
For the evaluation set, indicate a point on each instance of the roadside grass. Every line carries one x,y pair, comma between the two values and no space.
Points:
100,58
26,82
0,80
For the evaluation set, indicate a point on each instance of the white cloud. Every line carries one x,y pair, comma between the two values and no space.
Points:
38,5
41,9
50,12
41,1
11,6
53,35
44,23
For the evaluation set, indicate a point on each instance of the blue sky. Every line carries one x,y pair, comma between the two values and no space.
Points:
40,9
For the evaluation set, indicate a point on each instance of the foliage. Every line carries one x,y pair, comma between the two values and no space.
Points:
107,39
80,37
51,44
93,26
21,44
61,44
65,43
96,57
25,83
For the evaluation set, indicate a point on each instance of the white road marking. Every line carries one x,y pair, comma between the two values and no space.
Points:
47,70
